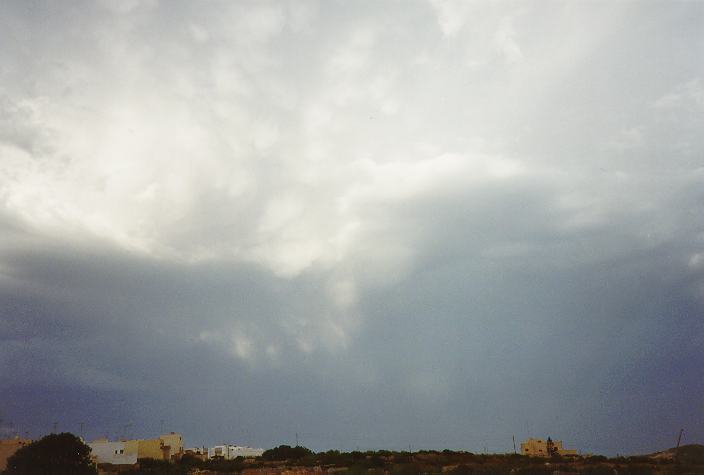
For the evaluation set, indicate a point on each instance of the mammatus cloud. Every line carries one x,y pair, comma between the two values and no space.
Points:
313,205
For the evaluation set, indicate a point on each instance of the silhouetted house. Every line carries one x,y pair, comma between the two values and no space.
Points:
197,452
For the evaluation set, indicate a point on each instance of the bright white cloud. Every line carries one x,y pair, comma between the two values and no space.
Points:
258,134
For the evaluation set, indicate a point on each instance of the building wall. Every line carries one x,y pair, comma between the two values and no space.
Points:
231,452
174,441
150,449
235,451
128,451
132,447
534,447
217,451
539,448
112,452
8,448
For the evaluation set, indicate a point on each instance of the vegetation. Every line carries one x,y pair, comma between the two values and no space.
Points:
66,454
55,454
286,452
690,454
159,467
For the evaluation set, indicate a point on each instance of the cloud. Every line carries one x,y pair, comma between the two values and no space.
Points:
128,6
506,44
351,219
689,94
451,15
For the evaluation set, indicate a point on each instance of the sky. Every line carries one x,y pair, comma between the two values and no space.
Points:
370,224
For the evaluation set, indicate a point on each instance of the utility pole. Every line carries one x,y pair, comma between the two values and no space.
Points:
514,443
677,448
81,424
54,425
296,439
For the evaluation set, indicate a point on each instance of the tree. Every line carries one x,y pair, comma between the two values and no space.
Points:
55,454
286,452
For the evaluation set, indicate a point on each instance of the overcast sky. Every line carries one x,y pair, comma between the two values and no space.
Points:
377,224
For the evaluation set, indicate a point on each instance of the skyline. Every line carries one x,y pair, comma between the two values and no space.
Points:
373,224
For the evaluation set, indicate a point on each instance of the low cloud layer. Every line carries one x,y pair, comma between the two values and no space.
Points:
433,224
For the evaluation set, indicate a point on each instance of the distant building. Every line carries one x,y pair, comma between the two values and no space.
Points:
231,452
545,448
174,441
217,451
114,453
124,452
8,447
242,451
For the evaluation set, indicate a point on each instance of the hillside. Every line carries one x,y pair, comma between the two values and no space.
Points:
688,454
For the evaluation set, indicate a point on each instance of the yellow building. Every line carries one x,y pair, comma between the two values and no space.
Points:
145,448
174,442
8,448
165,447
545,448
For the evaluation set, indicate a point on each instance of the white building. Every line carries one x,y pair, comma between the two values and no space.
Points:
112,452
231,452
218,451
235,451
